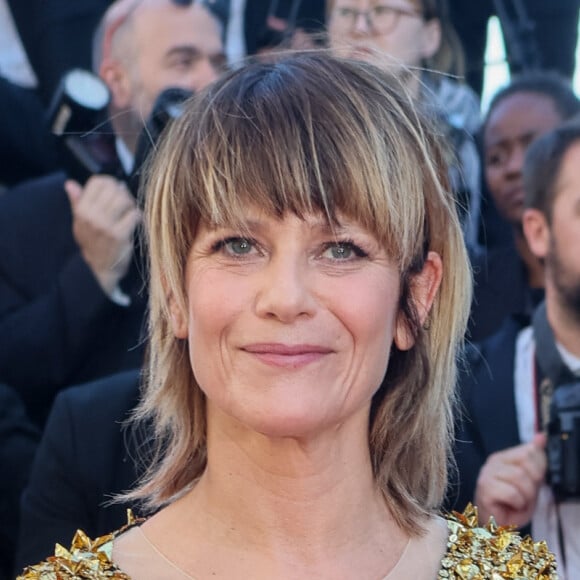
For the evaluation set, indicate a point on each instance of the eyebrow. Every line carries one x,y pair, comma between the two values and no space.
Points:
504,141
184,49
192,51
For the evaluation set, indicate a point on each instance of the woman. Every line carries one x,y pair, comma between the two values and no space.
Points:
309,290
509,279
416,40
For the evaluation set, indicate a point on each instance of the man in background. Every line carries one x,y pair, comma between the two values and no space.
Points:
71,306
510,386
81,300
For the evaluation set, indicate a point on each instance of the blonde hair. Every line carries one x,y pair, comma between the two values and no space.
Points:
310,133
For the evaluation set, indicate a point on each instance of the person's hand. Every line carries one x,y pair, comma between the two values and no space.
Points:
105,216
509,482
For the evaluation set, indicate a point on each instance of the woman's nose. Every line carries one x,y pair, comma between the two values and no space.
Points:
515,162
285,291
362,22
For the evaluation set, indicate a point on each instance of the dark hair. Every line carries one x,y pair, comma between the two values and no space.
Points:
543,163
546,83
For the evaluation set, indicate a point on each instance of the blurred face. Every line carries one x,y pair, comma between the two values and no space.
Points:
512,126
289,324
563,253
394,28
171,46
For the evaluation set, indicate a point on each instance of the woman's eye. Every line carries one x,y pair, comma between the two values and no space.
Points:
236,246
347,12
494,159
382,10
343,251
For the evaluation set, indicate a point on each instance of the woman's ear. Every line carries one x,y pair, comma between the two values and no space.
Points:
431,38
178,317
424,287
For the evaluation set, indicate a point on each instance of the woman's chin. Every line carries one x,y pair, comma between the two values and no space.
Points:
299,415
290,426
306,424
289,423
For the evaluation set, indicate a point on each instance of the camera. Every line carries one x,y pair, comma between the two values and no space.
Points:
563,447
78,118
168,106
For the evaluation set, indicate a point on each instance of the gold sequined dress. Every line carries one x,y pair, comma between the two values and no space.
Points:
473,553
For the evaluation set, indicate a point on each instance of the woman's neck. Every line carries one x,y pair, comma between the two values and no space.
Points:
300,503
290,485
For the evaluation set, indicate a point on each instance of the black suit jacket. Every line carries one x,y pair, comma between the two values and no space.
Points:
57,327
488,421
500,291
27,148
18,441
57,36
84,458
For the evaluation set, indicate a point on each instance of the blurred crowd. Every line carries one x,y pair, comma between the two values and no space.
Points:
85,90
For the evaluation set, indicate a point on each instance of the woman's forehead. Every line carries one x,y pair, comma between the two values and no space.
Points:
254,216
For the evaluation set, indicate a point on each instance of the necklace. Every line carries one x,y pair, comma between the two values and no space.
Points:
393,571
159,553
182,573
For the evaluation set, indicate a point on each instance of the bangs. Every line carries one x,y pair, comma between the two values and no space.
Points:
276,141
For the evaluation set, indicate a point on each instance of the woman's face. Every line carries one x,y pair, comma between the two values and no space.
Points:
512,126
289,324
396,28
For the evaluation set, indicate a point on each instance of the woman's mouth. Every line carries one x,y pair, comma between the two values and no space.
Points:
287,355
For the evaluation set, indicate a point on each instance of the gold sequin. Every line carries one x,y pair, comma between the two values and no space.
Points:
492,552
85,560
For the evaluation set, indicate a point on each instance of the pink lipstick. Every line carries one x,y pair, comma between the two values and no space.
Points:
286,355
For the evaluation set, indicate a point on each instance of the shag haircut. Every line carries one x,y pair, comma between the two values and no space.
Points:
310,133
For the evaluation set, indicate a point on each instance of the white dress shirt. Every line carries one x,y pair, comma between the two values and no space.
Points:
545,518
235,41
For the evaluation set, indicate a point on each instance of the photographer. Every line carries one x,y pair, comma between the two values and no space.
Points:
71,304
513,393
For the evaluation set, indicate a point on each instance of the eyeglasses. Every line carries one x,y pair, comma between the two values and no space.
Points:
380,18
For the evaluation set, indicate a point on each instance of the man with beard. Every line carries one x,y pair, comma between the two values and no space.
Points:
501,442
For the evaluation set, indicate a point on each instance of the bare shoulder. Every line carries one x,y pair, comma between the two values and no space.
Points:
492,551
